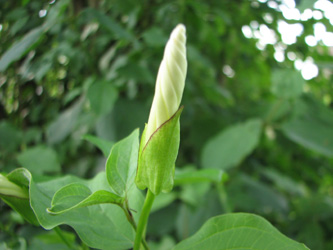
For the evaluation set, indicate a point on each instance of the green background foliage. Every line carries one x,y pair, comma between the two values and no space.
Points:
79,74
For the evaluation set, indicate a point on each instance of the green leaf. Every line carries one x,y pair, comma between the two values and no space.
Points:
284,182
63,125
122,162
311,126
111,25
39,159
190,219
191,175
154,37
304,4
254,195
237,232
3,246
232,145
55,13
10,137
102,226
157,157
104,145
166,243
162,200
102,96
18,49
193,194
52,241
77,195
21,178
287,83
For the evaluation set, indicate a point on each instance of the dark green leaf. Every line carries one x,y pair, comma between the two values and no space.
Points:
102,96
39,159
18,49
63,125
232,145
311,126
287,83
111,25
104,145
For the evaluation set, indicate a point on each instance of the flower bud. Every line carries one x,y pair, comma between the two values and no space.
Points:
170,81
9,188
160,140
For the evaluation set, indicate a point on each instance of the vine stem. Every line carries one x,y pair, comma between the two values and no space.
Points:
140,232
131,220
223,196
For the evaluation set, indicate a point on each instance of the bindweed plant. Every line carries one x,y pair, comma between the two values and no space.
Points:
110,211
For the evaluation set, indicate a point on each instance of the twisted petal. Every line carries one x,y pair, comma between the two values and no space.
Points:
170,81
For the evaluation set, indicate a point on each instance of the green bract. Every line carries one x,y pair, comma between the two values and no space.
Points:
157,157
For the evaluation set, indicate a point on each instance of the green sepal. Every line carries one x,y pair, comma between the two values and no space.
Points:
156,165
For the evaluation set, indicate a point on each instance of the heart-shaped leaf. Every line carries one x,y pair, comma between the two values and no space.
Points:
102,226
232,145
122,162
238,231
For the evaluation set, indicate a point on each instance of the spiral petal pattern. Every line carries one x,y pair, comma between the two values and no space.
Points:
170,81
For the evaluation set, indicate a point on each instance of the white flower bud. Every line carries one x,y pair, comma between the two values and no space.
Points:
170,81
9,188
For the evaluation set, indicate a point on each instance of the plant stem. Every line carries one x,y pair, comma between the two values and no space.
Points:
63,238
223,197
131,220
140,234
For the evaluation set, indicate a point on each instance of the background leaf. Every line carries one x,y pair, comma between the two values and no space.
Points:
311,126
40,159
104,145
287,83
232,145
102,96
64,124
19,48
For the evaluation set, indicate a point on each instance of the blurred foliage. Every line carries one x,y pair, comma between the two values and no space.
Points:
75,70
